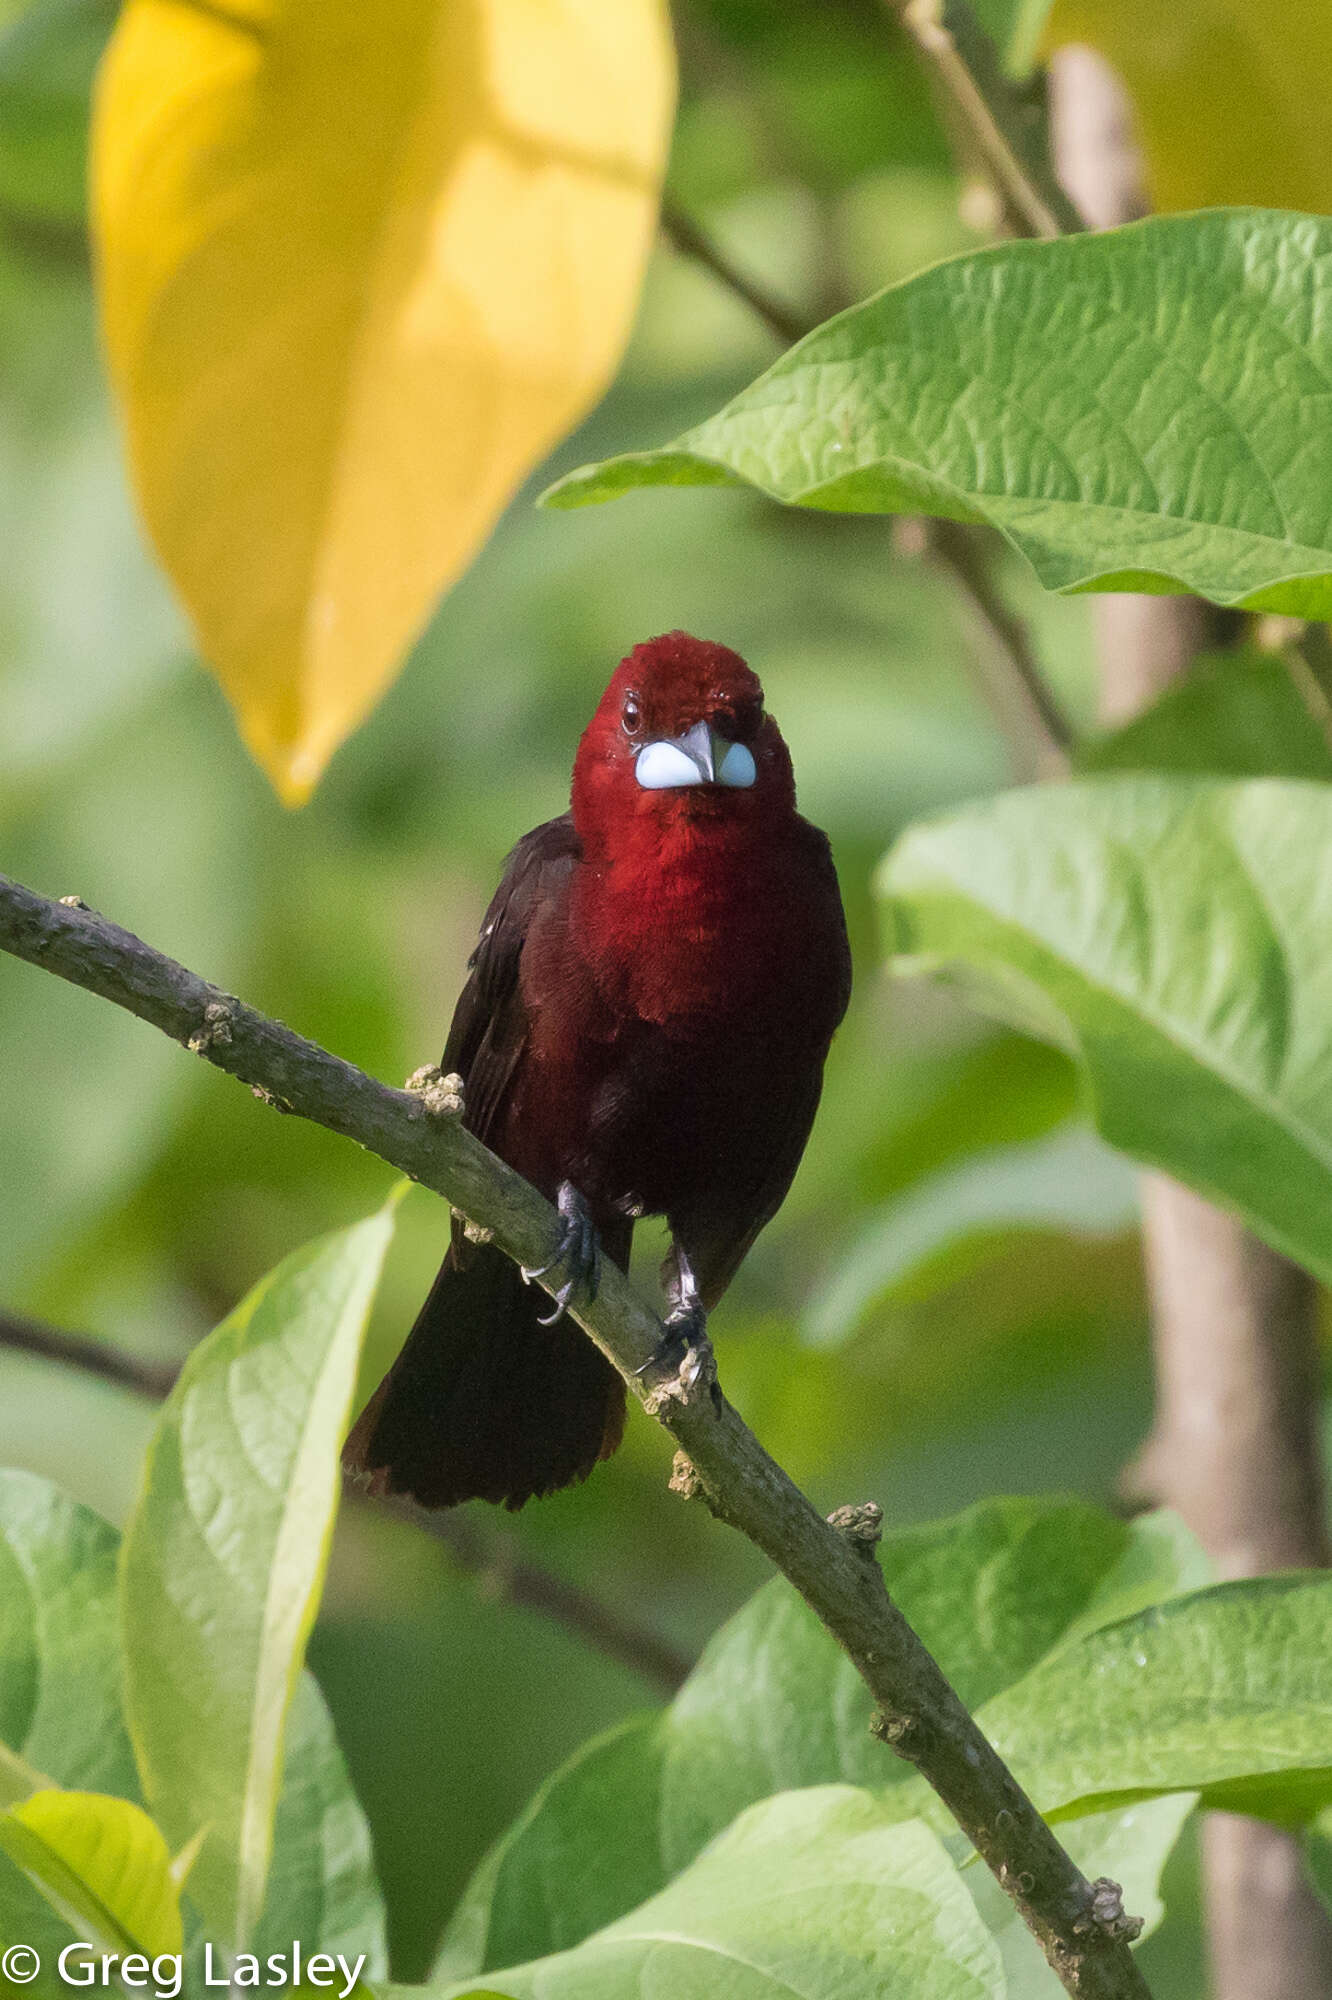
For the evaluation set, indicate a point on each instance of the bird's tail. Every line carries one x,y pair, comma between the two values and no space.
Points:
485,1403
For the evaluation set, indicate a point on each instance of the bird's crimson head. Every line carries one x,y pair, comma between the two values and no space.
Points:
680,735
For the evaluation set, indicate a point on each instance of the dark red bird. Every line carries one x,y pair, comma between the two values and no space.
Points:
643,1032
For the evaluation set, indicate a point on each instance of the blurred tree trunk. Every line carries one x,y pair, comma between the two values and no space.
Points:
1235,1445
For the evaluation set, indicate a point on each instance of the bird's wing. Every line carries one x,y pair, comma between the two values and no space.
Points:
490,1020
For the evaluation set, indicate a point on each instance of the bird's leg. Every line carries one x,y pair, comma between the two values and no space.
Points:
684,1349
579,1246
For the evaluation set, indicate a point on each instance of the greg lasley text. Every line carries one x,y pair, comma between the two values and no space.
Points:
82,1965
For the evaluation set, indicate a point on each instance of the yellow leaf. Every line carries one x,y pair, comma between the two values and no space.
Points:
102,1865
362,263
1230,106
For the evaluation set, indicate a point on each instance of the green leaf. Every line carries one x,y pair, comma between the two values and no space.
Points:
774,1705
60,1695
990,1593
225,1555
1067,1182
1227,1692
1144,408
1012,1582
809,1896
1233,715
1169,931
102,1866
60,1678
1161,1559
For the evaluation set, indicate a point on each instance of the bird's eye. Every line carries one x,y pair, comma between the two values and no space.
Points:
630,715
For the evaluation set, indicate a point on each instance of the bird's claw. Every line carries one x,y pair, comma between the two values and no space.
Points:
580,1245
685,1355
685,1326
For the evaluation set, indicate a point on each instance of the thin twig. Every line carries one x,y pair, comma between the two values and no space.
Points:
1005,129
685,235
1084,1936
501,1573
1039,713
93,1357
1005,132
508,1578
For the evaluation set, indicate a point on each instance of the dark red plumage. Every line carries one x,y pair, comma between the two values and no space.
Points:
650,1003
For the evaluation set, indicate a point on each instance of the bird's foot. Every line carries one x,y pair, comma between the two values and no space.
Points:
685,1356
579,1248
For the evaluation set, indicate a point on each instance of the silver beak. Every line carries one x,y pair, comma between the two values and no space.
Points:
697,745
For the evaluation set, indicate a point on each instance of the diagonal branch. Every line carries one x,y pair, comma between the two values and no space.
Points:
1081,1929
501,1573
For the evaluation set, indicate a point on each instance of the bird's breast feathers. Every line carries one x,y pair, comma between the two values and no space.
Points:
713,931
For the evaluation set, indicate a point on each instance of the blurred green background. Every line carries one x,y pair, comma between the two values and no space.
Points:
950,1304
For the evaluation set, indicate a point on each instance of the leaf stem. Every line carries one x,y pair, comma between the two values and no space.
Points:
1004,128
1080,1927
